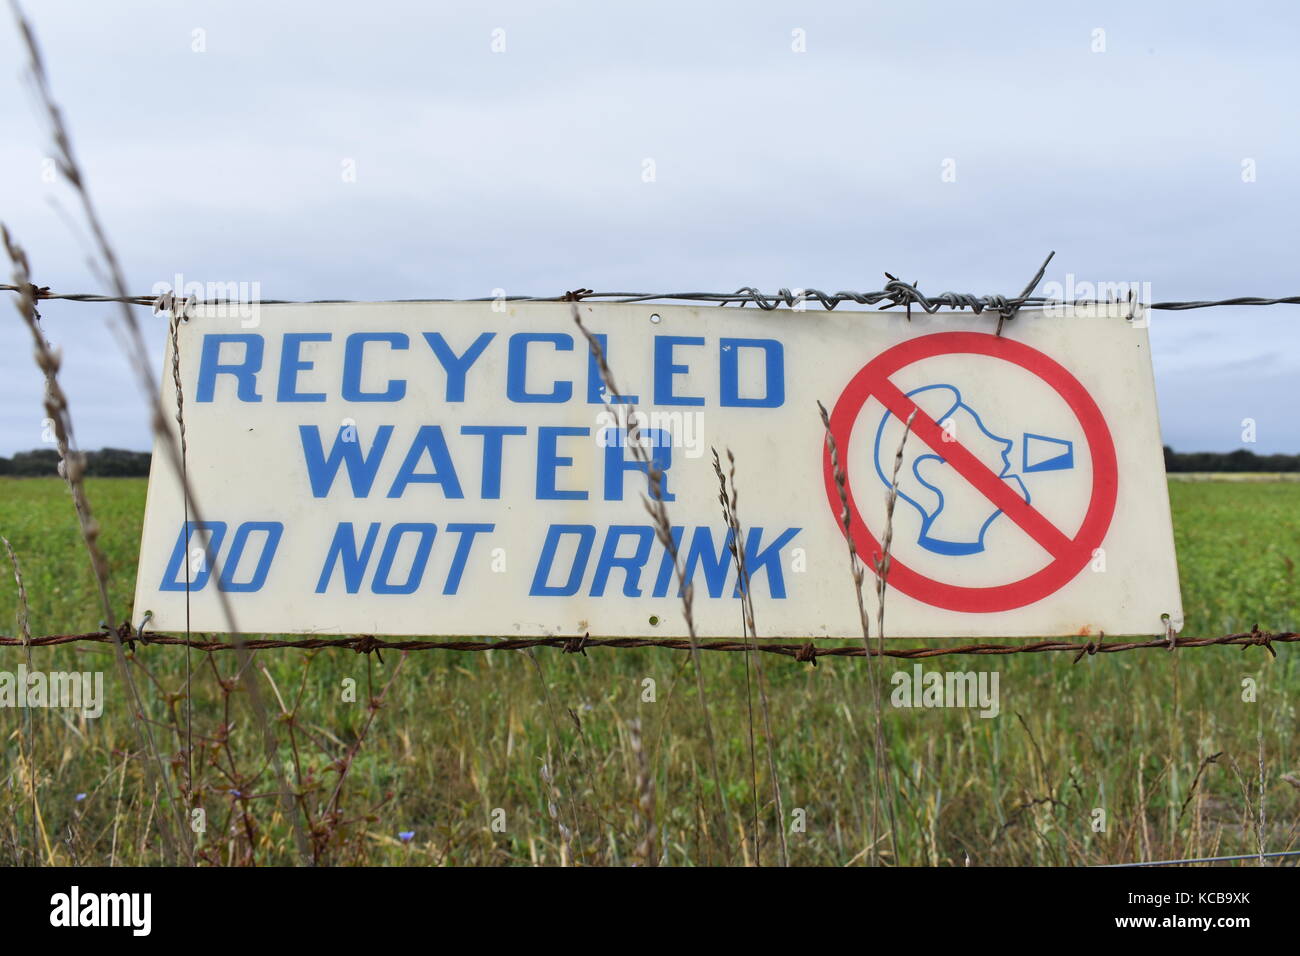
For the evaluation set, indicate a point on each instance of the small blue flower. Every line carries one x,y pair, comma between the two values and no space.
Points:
406,836
80,797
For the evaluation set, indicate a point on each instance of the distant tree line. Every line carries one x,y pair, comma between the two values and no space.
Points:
105,463
119,463
1239,460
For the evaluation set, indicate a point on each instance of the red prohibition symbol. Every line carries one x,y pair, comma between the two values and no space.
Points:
1069,554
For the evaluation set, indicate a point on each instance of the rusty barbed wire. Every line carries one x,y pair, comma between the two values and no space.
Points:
895,293
806,651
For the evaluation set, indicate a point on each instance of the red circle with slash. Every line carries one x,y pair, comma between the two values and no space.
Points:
1069,553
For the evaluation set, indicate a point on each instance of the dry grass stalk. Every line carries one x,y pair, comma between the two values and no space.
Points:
568,834
1205,762
881,563
72,467
658,511
29,732
858,573
139,358
882,585
846,520
645,797
742,584
887,541
1260,826
729,497
24,619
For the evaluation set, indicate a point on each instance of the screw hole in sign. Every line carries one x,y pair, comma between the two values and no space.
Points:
654,620
654,317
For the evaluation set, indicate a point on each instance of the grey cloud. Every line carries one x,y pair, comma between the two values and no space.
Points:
522,170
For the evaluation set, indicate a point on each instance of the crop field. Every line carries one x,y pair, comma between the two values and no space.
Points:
605,759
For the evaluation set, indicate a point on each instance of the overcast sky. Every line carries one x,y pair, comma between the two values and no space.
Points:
220,155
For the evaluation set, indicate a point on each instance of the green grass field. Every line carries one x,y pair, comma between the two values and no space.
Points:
517,758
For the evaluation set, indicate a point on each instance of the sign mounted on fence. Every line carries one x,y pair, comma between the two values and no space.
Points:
460,469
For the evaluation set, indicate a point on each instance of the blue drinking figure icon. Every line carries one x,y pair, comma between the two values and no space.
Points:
955,517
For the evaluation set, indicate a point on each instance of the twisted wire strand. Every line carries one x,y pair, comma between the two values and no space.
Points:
895,293
807,651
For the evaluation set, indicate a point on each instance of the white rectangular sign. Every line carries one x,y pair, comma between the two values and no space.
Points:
454,469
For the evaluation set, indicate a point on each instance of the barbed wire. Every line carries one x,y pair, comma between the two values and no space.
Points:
895,293
807,651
